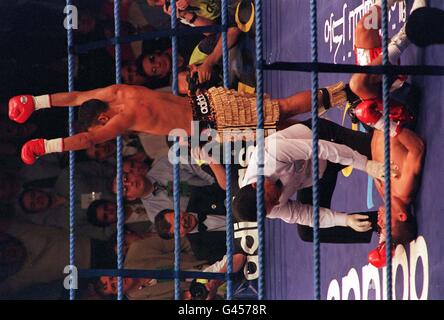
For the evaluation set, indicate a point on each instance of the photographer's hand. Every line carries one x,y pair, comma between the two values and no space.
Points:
204,70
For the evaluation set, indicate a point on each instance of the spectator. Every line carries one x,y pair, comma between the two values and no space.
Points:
136,166
131,75
92,182
137,289
32,255
192,12
152,253
204,223
103,213
152,189
206,244
156,67
204,13
35,201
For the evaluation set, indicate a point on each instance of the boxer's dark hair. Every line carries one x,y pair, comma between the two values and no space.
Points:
89,113
405,231
244,204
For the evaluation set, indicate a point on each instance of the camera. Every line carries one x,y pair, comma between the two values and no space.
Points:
198,290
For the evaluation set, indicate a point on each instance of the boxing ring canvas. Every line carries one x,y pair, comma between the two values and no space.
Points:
345,272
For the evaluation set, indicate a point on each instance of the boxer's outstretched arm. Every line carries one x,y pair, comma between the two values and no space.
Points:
21,107
76,98
35,148
118,125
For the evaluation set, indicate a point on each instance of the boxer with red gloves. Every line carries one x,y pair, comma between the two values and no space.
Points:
109,112
407,149
104,120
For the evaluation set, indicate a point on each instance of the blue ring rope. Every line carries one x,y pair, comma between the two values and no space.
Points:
72,194
229,221
260,143
386,99
315,155
176,167
119,180
224,14
227,153
176,198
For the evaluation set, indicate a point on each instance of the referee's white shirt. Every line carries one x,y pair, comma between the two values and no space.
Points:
287,157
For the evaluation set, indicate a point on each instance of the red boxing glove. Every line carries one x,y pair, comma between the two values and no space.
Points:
32,149
368,112
398,112
22,107
377,257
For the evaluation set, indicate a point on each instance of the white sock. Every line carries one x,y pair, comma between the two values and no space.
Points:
418,4
398,43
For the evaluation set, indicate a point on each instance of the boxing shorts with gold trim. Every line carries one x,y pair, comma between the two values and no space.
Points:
232,113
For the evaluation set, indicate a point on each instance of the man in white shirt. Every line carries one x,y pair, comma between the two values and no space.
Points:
152,189
287,169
